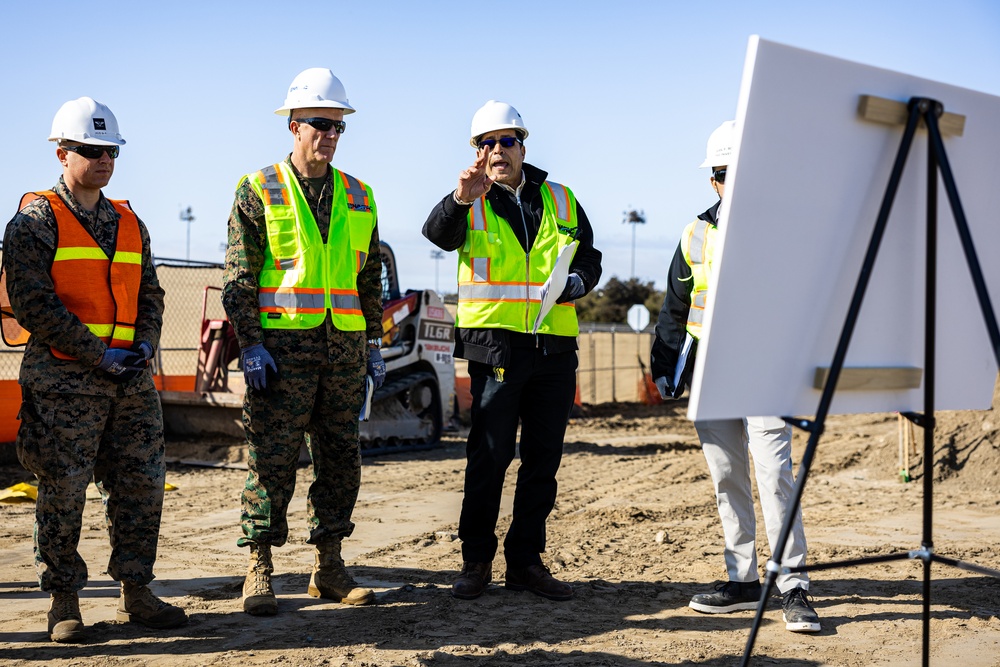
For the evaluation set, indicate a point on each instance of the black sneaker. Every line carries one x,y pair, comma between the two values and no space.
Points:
729,596
798,613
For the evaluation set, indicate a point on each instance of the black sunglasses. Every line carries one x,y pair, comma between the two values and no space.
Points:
719,175
94,152
506,142
323,124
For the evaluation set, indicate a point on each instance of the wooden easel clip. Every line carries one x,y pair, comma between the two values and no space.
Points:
894,112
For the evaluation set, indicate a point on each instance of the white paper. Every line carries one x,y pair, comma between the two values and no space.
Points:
556,283
366,406
682,362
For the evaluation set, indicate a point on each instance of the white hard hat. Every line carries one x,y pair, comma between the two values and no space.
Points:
720,145
315,87
87,121
496,116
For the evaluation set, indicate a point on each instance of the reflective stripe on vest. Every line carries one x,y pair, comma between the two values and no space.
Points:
102,292
499,286
517,292
698,246
302,277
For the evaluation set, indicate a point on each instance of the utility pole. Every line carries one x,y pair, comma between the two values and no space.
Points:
633,217
188,218
437,256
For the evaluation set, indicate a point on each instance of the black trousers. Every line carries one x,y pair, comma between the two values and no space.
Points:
536,390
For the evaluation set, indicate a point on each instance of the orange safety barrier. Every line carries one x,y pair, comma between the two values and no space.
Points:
463,392
648,393
10,403
174,382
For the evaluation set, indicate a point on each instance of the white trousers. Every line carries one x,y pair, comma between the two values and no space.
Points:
728,445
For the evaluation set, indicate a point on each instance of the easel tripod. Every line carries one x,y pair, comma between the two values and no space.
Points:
928,110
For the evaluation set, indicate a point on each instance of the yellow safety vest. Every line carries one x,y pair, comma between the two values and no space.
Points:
698,246
303,277
499,285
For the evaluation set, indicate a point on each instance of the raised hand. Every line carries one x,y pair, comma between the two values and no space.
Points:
473,183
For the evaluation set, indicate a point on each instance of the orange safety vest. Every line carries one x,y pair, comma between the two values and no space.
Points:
103,292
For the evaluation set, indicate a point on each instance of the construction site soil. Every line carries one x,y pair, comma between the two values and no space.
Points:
635,530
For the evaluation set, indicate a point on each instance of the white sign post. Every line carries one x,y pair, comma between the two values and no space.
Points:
638,317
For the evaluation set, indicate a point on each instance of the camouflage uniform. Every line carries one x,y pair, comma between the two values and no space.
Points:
76,424
319,391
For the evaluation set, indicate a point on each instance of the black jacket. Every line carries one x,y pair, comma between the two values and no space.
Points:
446,227
671,325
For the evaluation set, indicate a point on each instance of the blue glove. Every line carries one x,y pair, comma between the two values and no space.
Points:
120,364
376,367
145,349
574,289
258,367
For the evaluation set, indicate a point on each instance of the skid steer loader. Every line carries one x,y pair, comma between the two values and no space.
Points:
409,411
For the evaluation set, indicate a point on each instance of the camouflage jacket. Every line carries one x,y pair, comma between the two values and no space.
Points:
29,248
244,259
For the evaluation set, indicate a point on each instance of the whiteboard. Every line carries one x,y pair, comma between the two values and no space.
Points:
802,196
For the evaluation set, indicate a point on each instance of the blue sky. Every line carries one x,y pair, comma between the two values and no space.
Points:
619,98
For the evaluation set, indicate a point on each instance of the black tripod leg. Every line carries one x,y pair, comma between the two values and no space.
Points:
930,374
937,146
937,160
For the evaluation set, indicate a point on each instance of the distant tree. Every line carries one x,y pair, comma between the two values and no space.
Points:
611,303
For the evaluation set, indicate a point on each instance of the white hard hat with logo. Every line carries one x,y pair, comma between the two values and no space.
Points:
720,145
87,121
496,116
315,87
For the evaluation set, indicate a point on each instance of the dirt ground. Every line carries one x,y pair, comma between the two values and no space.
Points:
635,530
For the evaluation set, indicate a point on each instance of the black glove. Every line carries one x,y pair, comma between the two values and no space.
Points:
258,367
376,367
122,365
574,289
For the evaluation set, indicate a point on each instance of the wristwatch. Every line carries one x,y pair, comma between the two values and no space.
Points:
375,342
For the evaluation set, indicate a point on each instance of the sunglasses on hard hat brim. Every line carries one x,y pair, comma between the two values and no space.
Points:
324,124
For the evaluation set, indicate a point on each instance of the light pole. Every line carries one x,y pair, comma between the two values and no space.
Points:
437,256
188,218
633,217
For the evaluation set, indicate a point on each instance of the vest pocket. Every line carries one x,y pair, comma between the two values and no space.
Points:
283,237
360,228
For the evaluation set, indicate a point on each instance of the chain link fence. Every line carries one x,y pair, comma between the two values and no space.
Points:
10,357
613,362
192,292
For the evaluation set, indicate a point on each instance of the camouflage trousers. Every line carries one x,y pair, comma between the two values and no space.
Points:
68,439
323,401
